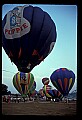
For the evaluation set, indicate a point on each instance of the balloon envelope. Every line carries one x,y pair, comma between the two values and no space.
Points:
28,36
33,87
45,81
23,82
41,92
63,79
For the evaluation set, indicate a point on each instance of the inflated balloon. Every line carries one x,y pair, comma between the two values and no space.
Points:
46,89
55,93
28,36
41,92
45,81
23,82
63,79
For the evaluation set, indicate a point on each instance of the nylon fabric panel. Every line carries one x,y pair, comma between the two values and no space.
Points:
31,82
45,50
33,87
46,28
27,14
37,21
4,42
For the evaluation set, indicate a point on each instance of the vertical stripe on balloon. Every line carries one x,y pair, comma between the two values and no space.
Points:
28,78
25,86
10,54
59,93
65,83
19,54
47,95
70,81
55,84
27,83
18,80
31,84
60,83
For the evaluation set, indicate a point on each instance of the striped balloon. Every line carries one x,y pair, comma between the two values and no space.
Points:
46,89
41,92
23,82
45,81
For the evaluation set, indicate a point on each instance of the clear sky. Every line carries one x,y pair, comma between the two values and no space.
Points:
64,53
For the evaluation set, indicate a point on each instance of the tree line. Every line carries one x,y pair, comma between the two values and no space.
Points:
5,90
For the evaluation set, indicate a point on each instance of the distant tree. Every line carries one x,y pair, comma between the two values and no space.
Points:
9,92
5,90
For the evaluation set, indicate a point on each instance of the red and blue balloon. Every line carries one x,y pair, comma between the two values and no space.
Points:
63,79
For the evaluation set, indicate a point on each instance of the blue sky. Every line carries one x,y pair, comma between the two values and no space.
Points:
64,53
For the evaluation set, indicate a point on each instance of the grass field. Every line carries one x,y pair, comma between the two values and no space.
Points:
39,108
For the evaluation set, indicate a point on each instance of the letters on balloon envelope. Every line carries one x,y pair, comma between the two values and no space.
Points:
28,36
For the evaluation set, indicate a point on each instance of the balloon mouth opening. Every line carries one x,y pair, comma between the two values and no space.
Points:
24,69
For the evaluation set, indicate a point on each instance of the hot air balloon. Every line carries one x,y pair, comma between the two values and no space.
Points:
54,93
45,81
46,89
41,92
28,36
23,82
63,79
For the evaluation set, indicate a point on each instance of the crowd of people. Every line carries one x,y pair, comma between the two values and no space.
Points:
17,99
8,99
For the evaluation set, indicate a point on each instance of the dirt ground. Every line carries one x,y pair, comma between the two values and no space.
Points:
39,108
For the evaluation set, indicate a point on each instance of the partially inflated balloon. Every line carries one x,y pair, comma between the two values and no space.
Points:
45,81
41,92
23,82
46,89
55,93
63,79
28,36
